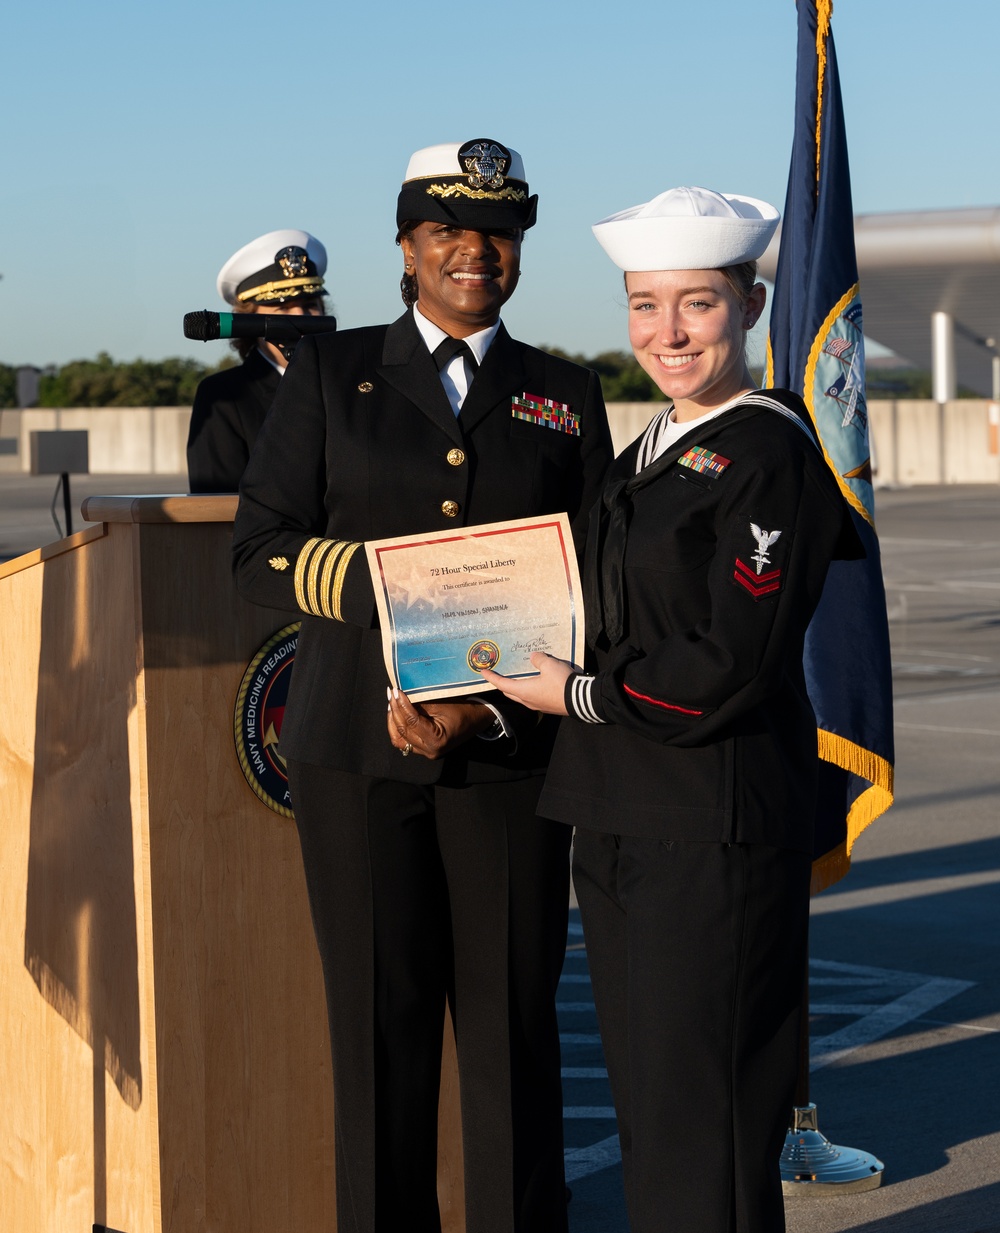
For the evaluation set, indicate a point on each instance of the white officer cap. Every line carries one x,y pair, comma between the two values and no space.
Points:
478,184
278,266
688,229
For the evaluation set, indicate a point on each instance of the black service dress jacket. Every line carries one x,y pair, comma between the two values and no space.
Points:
229,409
712,577
361,443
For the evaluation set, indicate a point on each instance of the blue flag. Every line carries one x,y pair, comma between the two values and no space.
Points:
815,347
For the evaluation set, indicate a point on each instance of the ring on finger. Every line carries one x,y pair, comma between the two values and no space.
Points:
406,750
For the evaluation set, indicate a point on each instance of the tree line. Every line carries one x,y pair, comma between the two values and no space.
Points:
105,382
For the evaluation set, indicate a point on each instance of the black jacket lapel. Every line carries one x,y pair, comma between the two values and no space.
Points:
500,375
407,366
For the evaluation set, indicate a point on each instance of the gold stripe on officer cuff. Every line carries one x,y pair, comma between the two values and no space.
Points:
312,582
338,583
326,581
300,572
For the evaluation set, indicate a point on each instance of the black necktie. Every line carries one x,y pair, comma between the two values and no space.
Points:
446,351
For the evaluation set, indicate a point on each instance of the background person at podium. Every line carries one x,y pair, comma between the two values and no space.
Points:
280,272
429,876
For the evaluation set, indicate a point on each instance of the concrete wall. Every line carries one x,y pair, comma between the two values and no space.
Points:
628,419
123,440
922,442
914,442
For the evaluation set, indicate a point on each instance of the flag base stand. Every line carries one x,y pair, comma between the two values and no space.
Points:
810,1161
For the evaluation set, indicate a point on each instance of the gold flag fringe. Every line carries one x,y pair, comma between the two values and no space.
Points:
824,11
871,804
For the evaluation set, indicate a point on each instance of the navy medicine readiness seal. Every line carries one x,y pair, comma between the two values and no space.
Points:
260,708
483,654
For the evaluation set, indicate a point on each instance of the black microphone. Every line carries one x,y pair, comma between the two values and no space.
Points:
206,326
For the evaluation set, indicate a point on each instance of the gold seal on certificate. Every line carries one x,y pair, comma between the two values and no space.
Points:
453,602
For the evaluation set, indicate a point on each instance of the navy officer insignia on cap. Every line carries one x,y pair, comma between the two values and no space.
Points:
293,260
487,162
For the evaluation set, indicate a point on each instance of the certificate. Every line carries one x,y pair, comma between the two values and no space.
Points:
451,602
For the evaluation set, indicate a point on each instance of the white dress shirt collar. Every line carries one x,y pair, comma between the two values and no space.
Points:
455,376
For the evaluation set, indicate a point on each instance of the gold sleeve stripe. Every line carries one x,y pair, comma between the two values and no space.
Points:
326,581
338,583
320,571
300,572
312,582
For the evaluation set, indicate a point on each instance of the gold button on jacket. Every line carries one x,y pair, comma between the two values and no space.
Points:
456,457
449,509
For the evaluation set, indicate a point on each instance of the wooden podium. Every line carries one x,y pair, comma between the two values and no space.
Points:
164,1060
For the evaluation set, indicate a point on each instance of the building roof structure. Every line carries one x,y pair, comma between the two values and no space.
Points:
916,263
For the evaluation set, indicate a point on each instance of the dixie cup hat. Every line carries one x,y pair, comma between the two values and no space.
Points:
278,266
478,184
688,229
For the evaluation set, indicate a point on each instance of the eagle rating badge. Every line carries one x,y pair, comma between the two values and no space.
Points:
260,708
766,578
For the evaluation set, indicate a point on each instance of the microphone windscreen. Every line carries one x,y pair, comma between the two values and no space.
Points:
202,326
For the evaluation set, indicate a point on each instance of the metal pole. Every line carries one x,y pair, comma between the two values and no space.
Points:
808,1158
943,357
66,503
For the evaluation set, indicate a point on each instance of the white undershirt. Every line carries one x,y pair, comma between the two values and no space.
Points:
670,431
455,376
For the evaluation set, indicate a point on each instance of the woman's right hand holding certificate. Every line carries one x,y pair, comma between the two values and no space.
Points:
544,692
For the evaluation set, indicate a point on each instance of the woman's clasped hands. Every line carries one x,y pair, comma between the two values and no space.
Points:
432,729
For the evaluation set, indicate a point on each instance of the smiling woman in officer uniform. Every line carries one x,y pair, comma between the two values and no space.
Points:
280,272
689,762
429,875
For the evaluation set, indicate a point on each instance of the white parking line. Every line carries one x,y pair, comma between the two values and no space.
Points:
946,728
915,994
921,993
876,896
582,1161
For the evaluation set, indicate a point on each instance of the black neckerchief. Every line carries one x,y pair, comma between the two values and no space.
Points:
604,593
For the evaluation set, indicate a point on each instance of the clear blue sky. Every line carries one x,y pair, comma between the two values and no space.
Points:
142,144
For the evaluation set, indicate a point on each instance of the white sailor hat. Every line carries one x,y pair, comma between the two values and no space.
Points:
476,184
688,229
276,267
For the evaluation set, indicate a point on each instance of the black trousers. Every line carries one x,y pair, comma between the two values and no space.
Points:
697,955
418,894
